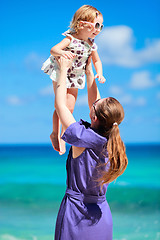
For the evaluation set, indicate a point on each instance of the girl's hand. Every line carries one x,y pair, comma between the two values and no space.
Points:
101,79
67,54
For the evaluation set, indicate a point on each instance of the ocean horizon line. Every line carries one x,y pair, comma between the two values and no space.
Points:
50,145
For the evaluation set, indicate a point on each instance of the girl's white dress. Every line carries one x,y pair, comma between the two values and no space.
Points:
76,73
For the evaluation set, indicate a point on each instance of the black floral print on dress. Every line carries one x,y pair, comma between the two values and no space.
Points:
76,73
80,81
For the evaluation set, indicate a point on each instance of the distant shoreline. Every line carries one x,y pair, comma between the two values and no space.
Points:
49,144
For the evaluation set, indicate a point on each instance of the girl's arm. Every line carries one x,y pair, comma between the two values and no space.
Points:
98,66
63,112
57,50
93,92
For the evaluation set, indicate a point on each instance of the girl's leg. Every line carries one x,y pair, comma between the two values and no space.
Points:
71,98
54,137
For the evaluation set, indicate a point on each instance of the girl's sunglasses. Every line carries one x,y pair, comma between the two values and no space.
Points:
96,25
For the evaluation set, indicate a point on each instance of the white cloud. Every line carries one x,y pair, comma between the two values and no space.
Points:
14,100
17,101
128,99
116,47
151,52
115,90
141,80
47,91
141,101
82,100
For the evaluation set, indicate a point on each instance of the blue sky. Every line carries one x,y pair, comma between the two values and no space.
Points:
129,47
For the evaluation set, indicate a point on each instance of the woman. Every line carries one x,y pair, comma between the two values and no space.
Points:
97,157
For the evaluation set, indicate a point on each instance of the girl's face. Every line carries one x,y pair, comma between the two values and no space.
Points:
90,30
94,31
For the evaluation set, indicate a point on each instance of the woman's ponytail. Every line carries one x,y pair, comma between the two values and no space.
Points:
117,156
110,115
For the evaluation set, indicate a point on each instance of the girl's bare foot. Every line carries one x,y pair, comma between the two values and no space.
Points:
55,141
62,147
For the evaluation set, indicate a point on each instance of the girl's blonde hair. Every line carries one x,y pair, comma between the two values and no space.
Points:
110,114
84,13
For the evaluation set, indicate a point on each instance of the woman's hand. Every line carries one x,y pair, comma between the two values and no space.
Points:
64,63
67,54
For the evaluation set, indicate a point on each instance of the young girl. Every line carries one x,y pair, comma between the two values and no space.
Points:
79,43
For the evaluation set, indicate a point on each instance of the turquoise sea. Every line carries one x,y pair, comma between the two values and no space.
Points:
32,184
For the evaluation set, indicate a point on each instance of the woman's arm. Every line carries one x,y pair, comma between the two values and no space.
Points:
63,112
93,92
98,66
57,50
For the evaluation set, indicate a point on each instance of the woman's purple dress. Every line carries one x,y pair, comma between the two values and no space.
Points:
84,213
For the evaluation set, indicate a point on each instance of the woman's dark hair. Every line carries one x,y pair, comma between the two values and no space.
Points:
110,114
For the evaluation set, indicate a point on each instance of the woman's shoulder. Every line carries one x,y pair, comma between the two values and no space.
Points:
80,134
